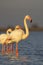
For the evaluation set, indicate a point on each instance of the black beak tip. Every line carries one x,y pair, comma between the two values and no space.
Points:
31,21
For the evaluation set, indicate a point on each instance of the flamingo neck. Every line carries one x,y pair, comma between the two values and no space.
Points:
26,27
8,32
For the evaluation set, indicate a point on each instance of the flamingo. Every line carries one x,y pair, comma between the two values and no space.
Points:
18,34
4,39
9,39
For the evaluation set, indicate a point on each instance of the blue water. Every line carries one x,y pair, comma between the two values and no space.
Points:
30,51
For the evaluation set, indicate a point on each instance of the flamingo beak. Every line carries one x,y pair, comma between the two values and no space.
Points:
31,21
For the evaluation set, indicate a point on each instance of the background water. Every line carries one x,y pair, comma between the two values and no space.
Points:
30,51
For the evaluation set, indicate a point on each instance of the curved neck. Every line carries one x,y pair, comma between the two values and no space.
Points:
26,27
7,33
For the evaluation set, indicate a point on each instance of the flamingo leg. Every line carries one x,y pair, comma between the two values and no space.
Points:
12,49
8,49
16,49
3,49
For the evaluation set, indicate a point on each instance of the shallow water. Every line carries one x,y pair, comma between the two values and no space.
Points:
30,51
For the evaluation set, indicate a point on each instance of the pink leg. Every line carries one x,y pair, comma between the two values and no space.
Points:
16,49
8,49
3,49
12,49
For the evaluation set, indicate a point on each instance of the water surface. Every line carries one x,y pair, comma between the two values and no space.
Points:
30,51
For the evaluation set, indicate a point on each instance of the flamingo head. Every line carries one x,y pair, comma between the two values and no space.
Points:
9,31
29,18
18,27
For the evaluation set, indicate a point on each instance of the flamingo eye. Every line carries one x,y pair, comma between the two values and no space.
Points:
9,32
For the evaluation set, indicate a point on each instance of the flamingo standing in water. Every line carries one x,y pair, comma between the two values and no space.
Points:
4,40
18,34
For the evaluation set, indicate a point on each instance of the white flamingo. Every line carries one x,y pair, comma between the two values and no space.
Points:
4,39
18,34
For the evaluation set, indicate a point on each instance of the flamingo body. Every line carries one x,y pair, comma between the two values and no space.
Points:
16,35
4,39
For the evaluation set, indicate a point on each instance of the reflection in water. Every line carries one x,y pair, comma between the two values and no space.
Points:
13,59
